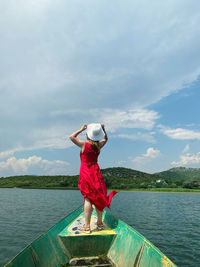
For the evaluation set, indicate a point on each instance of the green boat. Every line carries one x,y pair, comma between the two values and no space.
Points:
64,246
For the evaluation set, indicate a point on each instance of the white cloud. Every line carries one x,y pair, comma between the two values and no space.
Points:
147,137
64,122
113,118
150,154
8,153
38,138
181,134
186,149
32,165
92,58
134,118
51,137
117,60
188,158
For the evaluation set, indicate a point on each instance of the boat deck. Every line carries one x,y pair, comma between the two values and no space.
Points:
72,229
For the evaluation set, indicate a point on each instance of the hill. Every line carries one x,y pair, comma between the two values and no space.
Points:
181,173
119,178
126,173
115,178
125,178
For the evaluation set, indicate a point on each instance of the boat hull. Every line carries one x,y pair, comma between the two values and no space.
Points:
118,242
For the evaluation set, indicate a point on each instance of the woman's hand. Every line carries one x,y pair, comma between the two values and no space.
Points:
84,127
102,125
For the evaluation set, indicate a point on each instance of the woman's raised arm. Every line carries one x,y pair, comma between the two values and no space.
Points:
75,139
105,139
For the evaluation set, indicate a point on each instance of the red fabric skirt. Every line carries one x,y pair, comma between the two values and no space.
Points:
92,186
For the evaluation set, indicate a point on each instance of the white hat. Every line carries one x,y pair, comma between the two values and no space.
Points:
95,132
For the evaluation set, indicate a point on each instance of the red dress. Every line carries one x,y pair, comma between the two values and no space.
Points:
91,182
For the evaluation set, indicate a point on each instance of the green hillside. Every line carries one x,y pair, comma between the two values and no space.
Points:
181,173
28,181
120,178
124,178
126,173
115,178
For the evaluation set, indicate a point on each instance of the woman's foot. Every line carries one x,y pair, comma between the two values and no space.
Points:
100,226
84,229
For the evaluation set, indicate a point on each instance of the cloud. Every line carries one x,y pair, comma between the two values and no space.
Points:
150,154
55,135
59,56
51,137
79,58
186,149
147,137
181,134
113,118
33,165
187,159
8,153
134,118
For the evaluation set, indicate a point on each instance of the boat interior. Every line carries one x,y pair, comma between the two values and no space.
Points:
88,249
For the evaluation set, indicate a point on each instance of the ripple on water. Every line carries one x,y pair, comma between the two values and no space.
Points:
169,221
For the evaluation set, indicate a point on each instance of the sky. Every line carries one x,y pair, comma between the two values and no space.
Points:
132,65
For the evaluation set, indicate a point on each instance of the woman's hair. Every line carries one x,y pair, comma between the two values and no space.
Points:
94,144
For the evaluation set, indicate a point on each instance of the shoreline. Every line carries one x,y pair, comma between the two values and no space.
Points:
154,190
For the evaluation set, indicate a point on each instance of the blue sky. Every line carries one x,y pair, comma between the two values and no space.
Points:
132,65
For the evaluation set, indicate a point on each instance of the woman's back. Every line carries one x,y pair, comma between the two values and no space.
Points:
89,155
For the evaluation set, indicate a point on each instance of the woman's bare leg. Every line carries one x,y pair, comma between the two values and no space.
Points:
87,211
99,216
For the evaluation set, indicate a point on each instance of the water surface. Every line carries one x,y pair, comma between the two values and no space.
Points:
169,220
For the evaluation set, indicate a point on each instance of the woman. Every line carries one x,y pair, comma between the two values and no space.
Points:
91,182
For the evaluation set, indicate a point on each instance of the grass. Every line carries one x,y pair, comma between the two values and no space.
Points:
164,190
175,190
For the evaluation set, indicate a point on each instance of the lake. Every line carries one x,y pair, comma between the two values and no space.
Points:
171,221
